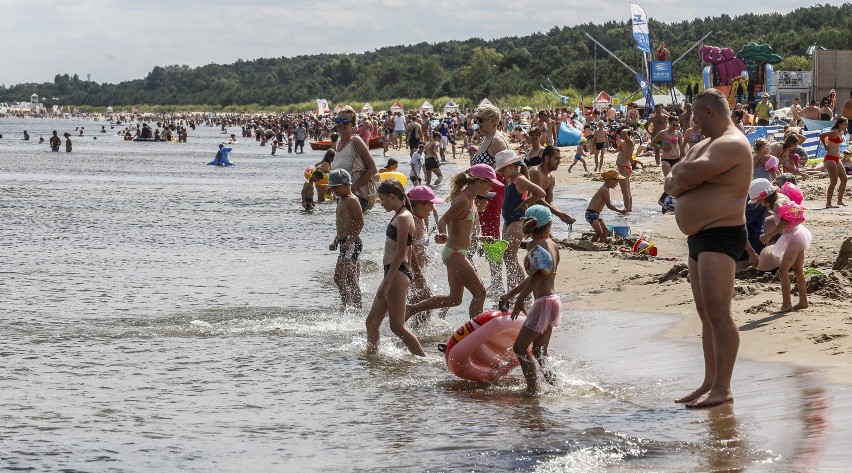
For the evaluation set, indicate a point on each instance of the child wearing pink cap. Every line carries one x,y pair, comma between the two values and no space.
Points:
455,230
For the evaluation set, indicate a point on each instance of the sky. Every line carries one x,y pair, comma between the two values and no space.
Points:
123,40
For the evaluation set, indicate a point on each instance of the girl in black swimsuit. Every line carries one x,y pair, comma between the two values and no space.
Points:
392,292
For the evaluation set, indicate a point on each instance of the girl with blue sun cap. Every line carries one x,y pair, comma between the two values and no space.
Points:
540,263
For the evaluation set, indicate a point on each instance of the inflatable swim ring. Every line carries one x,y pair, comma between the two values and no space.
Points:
481,349
394,175
310,170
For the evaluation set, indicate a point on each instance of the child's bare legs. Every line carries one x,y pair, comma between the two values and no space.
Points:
513,233
584,164
428,176
347,280
394,307
801,284
440,175
461,276
526,337
790,259
540,353
601,232
572,165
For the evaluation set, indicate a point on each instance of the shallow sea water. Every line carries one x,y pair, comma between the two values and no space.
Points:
163,315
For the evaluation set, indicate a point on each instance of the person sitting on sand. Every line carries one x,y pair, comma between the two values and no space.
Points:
599,201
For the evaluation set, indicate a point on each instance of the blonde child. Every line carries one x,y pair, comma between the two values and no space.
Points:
789,251
601,199
391,295
455,229
541,263
350,221
579,155
308,191
520,194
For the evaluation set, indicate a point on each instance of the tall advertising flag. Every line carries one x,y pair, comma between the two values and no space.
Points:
640,28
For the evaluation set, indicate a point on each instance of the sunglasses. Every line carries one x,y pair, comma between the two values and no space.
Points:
342,121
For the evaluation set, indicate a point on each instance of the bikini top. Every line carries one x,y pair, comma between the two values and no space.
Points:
674,140
471,214
391,231
538,259
835,139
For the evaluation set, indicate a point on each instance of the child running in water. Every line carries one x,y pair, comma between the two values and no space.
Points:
789,251
601,199
455,229
350,221
541,263
308,191
391,294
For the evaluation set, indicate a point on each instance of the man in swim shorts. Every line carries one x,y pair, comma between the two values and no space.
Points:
711,183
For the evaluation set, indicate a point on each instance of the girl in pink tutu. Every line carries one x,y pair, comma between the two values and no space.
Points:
789,251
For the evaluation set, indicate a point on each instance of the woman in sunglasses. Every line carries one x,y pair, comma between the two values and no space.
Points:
494,141
353,155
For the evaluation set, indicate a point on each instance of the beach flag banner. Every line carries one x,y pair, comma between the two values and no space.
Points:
322,107
646,91
661,72
640,28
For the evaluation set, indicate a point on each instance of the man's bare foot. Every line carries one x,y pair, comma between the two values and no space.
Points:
839,202
829,206
709,400
785,308
800,305
693,395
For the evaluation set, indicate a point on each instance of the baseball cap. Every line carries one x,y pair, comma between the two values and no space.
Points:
487,195
338,177
540,213
760,188
423,194
484,171
505,158
611,174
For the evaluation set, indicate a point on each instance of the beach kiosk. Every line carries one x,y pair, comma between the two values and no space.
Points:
397,107
601,101
451,107
427,107
367,108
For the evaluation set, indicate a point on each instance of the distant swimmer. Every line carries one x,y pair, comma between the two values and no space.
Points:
41,139
55,142
26,136
221,157
67,142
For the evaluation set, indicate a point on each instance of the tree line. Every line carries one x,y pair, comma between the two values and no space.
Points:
502,69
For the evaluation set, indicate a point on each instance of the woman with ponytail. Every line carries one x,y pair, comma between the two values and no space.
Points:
392,292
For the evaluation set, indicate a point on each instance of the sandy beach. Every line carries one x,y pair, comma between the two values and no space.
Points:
605,277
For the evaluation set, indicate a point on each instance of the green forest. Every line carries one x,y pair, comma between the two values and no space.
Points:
507,70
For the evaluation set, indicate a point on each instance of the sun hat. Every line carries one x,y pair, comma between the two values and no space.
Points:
484,171
611,174
505,158
423,194
487,195
760,188
338,177
540,213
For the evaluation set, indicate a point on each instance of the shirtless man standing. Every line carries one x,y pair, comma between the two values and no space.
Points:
542,177
711,183
657,121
